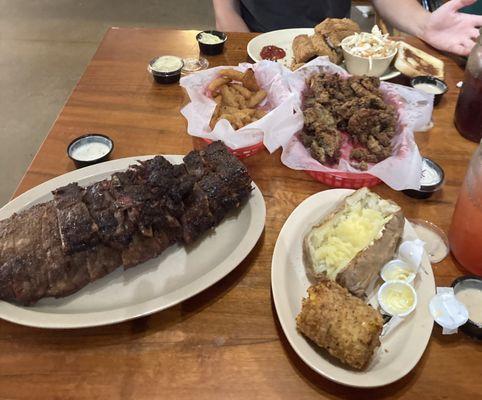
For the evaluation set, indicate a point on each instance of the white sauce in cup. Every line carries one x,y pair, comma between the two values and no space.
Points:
167,64
428,88
472,299
90,151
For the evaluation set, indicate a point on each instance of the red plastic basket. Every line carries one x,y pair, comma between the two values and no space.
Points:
345,179
243,152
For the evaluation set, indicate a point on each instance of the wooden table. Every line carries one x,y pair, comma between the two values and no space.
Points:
225,342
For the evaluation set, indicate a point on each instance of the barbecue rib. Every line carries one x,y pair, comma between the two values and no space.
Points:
83,234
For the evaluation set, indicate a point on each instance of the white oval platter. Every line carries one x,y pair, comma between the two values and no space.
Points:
400,349
176,275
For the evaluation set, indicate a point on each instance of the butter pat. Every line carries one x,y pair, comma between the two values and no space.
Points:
397,298
398,270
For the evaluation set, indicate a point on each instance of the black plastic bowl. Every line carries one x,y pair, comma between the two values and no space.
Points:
212,49
431,80
85,140
471,328
165,77
424,192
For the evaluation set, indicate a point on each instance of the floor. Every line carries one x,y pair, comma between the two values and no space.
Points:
44,48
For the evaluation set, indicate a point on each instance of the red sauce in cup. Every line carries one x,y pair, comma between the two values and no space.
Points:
272,53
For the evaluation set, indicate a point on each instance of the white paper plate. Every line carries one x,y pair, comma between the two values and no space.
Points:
283,38
400,350
155,285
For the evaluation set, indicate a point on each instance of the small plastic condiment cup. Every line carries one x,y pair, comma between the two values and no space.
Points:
165,77
394,264
85,140
396,285
431,80
431,181
213,48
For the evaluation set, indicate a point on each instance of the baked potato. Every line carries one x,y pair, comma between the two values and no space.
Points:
352,244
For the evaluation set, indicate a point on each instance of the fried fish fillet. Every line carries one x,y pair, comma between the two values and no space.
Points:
340,323
303,49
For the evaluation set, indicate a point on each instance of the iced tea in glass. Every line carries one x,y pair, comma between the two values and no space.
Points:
465,234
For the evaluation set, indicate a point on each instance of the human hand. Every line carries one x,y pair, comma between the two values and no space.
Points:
449,30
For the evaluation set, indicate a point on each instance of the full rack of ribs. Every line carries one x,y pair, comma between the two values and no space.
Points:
58,247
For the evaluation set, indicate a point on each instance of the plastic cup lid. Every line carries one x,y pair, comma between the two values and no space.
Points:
194,64
436,242
447,311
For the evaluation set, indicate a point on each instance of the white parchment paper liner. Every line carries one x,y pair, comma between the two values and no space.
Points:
281,120
400,171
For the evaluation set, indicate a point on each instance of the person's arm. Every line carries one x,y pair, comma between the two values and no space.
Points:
228,16
445,28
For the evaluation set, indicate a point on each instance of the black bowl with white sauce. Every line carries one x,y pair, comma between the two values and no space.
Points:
211,43
166,69
468,290
432,180
90,149
432,85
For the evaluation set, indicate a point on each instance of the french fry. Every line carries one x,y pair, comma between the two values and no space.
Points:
246,93
259,113
215,116
233,120
232,74
217,83
228,96
249,81
236,102
257,98
228,110
241,101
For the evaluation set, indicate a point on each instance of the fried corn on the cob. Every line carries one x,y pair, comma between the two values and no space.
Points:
340,323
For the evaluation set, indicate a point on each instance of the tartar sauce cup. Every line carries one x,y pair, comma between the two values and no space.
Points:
468,290
397,298
211,43
430,84
432,180
166,69
90,149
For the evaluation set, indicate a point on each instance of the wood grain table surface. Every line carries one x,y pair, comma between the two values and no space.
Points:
225,342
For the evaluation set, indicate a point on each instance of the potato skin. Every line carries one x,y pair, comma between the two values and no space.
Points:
360,272
366,265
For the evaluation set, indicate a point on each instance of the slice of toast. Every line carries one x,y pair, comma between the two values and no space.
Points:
415,62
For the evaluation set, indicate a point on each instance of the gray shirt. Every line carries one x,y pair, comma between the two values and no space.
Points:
269,15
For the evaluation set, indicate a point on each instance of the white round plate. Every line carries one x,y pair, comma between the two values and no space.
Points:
400,349
176,275
283,38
